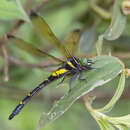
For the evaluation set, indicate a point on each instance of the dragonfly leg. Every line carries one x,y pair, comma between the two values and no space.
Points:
95,68
61,81
71,80
89,67
80,76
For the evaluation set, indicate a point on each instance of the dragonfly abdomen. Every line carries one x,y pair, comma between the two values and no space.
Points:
26,99
55,75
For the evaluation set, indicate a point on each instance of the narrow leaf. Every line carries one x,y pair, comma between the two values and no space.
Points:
121,127
117,94
117,24
105,125
22,10
124,120
88,40
99,45
9,10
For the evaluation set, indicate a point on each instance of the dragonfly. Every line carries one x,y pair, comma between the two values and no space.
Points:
70,66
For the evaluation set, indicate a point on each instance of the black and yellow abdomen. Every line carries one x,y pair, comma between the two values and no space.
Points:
55,75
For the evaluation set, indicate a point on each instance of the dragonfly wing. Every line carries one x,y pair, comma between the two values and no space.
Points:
40,24
29,48
72,40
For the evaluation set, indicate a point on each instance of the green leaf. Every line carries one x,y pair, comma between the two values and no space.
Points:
122,123
117,94
124,120
108,68
105,125
117,24
100,11
88,40
10,10
99,45
121,127
115,29
22,10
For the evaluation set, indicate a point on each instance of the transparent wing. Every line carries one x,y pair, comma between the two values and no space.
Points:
42,27
29,48
71,41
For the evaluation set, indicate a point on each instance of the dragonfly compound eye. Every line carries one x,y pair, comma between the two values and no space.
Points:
85,62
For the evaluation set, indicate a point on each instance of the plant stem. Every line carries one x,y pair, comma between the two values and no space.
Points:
100,11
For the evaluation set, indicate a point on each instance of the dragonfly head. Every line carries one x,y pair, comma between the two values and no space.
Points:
86,63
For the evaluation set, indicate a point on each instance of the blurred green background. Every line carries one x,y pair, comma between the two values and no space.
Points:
63,17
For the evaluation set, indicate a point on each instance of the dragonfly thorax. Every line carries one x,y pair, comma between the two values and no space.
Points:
75,64
86,63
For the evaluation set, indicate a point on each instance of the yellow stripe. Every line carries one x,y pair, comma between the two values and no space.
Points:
46,79
28,94
70,64
61,71
20,102
54,74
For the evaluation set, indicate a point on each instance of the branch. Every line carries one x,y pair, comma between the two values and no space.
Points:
37,8
5,55
25,64
87,103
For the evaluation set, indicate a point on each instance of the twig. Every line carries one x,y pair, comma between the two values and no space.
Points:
100,11
120,55
37,8
24,64
5,55
27,4
87,104
124,55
